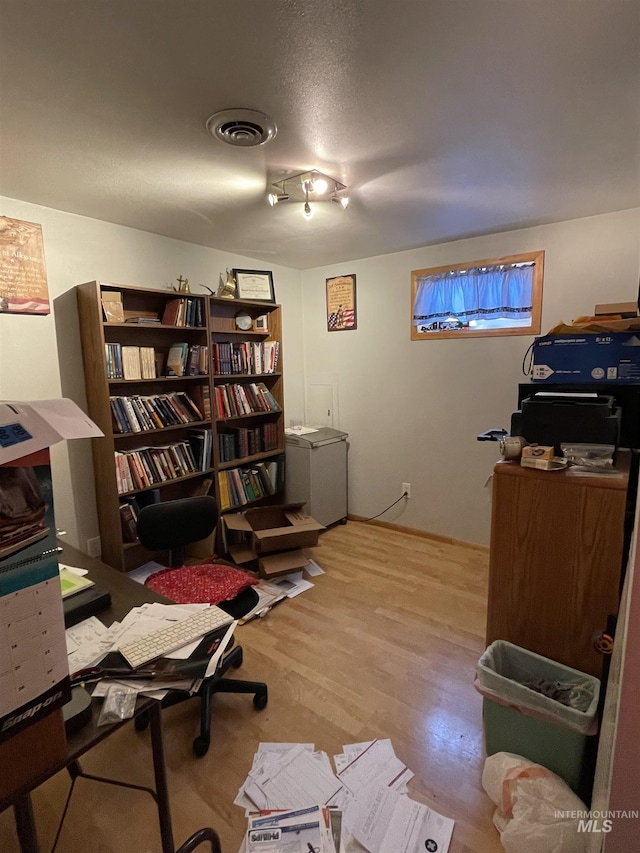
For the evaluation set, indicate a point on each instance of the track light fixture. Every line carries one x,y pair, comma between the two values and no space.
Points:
308,187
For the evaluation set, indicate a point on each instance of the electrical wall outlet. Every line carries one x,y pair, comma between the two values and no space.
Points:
406,490
94,547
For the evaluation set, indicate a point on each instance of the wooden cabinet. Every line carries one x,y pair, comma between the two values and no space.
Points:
556,556
167,436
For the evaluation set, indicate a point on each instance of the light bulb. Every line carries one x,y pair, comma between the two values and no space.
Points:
343,201
320,186
272,198
306,211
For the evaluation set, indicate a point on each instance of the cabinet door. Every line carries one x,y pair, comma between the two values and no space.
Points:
555,561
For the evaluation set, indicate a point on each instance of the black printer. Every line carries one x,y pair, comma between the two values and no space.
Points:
552,418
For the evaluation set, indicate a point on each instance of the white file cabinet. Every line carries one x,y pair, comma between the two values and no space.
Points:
316,473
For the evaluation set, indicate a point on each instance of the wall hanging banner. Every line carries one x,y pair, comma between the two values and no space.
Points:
341,303
23,274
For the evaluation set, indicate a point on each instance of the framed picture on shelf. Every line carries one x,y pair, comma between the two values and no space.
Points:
255,284
341,303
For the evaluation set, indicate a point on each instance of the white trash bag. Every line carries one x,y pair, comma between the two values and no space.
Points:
528,797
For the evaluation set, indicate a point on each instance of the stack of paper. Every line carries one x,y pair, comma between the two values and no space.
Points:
369,788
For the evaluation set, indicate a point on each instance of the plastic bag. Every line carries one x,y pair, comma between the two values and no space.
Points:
504,671
530,799
119,704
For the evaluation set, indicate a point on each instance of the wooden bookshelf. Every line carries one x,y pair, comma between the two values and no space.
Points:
127,409
249,433
159,443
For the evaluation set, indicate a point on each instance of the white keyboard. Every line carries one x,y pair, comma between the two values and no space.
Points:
144,649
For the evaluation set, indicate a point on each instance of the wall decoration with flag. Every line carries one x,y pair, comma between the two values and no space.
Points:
341,303
23,274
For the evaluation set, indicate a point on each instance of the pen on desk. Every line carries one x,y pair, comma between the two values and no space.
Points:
213,646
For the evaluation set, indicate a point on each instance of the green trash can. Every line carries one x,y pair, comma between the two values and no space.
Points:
540,709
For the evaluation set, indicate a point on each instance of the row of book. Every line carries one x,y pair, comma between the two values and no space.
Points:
241,486
187,360
201,443
139,412
125,362
247,441
129,362
233,400
246,357
146,466
186,311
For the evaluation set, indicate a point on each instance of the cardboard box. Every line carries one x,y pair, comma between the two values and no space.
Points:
625,309
30,753
613,357
34,675
256,533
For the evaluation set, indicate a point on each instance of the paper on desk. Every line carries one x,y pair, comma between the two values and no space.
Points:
299,430
73,569
214,660
87,643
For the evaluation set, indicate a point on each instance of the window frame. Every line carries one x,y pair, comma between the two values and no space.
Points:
533,328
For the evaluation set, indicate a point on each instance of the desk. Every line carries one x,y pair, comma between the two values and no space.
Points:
125,594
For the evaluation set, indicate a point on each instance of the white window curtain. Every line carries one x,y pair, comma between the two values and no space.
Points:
479,293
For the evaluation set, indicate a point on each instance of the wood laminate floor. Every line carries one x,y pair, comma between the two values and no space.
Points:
384,645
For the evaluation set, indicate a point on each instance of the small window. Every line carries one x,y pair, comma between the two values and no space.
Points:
486,298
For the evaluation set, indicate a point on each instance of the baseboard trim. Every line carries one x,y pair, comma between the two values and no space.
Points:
422,534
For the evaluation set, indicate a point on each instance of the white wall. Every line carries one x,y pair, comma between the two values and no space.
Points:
40,357
413,409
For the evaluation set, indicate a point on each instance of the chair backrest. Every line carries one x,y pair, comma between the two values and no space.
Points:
173,524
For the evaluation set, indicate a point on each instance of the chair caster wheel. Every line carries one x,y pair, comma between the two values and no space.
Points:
260,700
237,661
141,721
201,746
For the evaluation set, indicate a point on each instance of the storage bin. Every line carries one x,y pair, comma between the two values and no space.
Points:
524,721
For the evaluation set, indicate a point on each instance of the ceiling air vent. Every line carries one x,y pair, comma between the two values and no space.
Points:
242,128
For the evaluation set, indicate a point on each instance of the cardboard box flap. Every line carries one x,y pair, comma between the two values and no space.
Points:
282,564
26,428
237,521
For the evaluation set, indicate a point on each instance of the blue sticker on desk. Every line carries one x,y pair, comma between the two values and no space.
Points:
11,434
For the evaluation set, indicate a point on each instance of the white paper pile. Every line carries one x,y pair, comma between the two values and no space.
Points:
290,831
368,786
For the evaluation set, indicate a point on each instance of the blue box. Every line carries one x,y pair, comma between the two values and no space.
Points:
612,357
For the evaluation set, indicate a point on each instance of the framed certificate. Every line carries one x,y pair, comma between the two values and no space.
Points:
255,284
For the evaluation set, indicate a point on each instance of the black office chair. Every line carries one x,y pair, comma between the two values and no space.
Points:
171,526
198,838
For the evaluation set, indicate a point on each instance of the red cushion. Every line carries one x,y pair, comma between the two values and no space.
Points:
210,583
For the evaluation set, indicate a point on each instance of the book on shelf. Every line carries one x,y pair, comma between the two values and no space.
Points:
112,306
113,361
148,362
176,359
171,312
131,362
183,311
129,522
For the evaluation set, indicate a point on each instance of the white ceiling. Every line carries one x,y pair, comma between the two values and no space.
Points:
446,118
